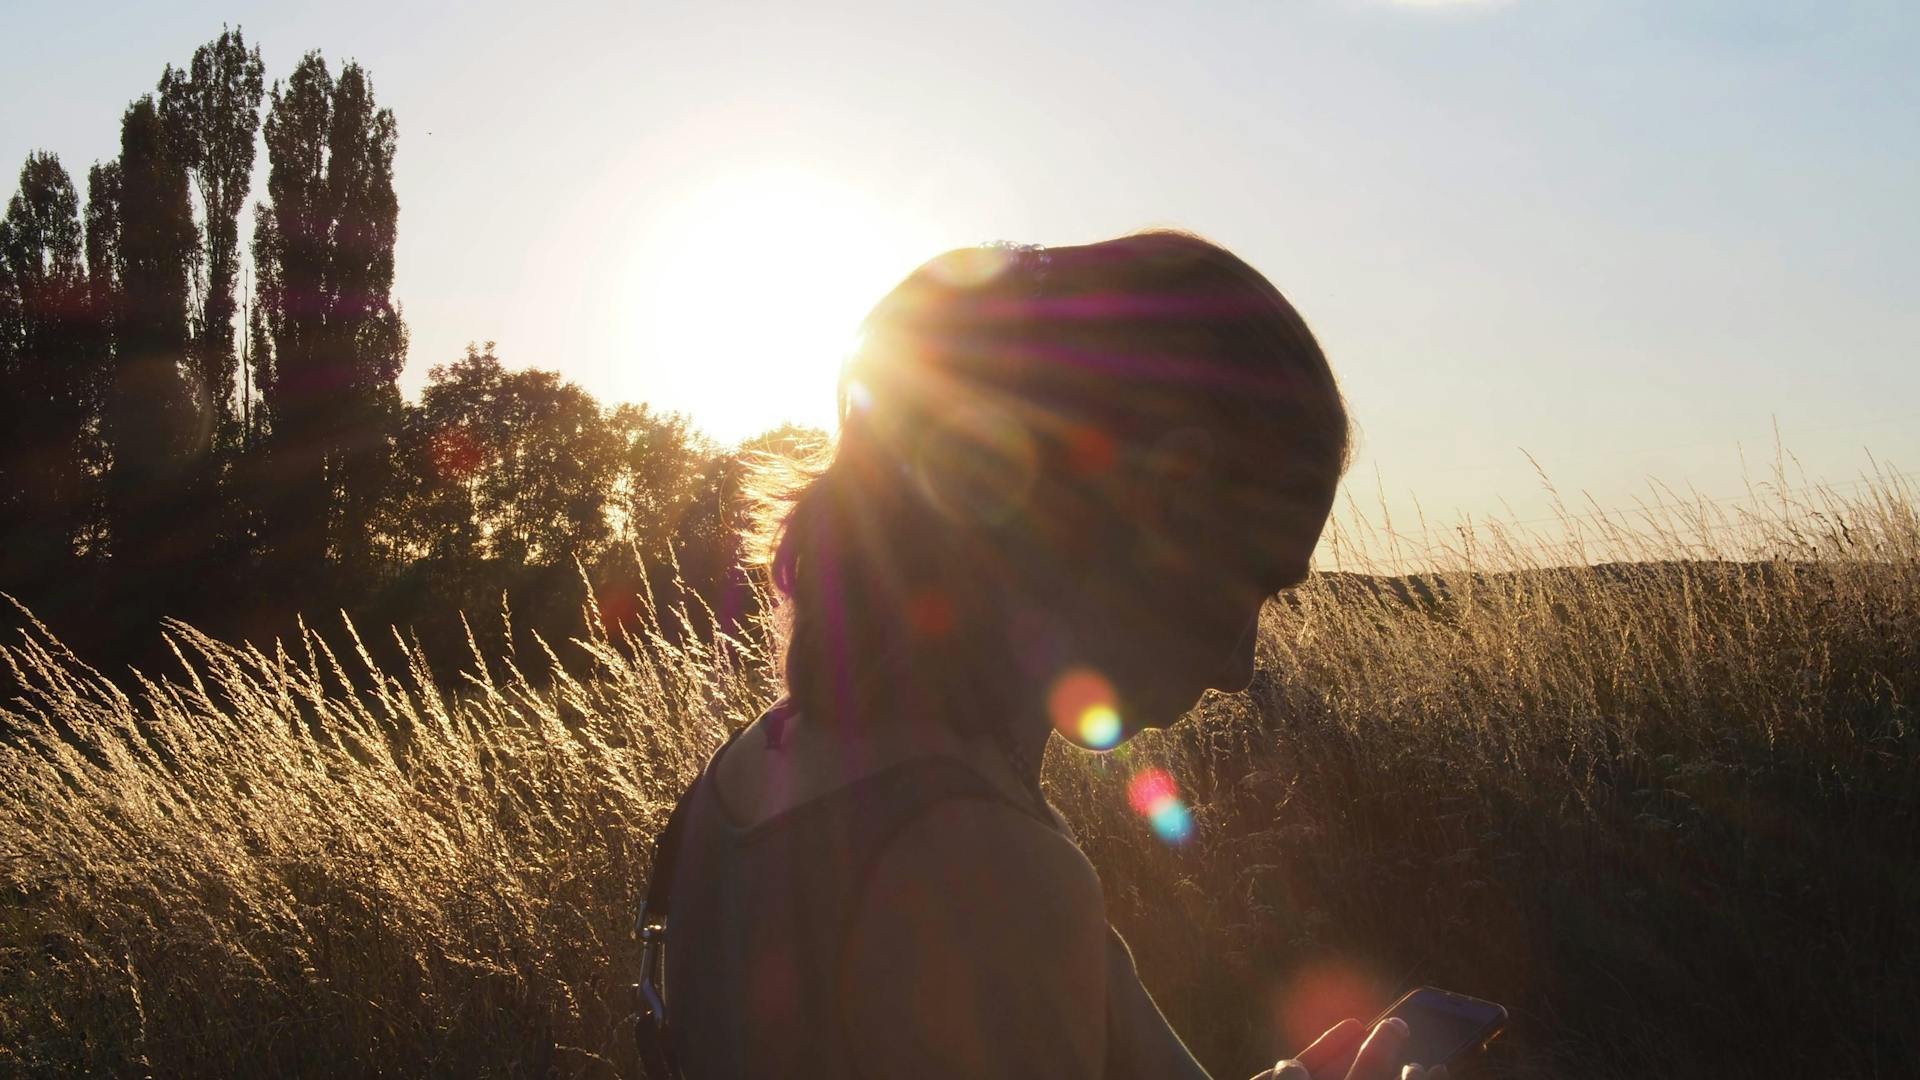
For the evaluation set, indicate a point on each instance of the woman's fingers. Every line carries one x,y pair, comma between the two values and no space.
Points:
1379,1057
1342,1053
1294,1069
1337,1045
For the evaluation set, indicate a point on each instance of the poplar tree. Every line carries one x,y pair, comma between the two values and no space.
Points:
152,421
213,111
48,376
333,341
102,223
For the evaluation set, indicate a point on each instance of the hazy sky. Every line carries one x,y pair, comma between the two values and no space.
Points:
1625,235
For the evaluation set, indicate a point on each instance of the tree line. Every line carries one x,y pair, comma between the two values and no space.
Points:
177,444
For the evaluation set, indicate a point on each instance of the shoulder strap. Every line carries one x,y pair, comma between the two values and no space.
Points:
936,780
652,1037
652,1034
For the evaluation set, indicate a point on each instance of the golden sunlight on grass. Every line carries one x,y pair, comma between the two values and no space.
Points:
1656,805
751,285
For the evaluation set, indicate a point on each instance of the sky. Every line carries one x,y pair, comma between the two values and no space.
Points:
1627,240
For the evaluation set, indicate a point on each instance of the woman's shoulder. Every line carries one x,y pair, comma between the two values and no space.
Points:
989,845
978,942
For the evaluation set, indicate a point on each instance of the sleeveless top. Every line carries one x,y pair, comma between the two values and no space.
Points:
754,980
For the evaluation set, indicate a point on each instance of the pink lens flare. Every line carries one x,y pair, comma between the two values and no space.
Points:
1149,788
1155,796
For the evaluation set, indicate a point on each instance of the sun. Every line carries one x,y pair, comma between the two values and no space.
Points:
746,291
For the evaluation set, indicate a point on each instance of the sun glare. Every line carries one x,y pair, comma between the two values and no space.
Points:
746,292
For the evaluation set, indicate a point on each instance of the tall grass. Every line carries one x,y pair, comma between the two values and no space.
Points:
1652,785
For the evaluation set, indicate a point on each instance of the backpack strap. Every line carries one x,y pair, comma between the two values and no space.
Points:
653,1034
932,781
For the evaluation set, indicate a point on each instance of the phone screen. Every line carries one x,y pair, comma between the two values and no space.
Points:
1442,1025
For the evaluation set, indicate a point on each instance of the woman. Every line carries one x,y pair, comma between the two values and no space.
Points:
1066,480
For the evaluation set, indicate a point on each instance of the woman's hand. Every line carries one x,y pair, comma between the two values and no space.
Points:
1341,1054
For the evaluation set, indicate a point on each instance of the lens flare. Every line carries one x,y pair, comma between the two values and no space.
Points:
1090,451
1172,821
1320,995
930,613
1085,709
1149,788
977,465
1155,796
1100,727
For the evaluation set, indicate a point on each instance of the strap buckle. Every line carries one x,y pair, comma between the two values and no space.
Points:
653,935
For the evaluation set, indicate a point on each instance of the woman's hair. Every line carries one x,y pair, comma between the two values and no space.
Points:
989,419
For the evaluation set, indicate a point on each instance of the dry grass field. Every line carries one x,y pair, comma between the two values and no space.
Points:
1653,787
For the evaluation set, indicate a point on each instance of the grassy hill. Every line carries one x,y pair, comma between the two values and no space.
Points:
1660,802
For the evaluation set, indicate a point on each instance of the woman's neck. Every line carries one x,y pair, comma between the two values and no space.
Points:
1001,738
999,724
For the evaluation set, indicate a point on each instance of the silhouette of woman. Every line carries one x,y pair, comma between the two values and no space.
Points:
1079,467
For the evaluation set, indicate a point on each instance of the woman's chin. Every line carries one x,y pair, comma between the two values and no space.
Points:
1167,714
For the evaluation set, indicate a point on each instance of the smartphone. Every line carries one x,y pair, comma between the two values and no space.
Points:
1443,1026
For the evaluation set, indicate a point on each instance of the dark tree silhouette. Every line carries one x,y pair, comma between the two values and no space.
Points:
49,380
103,301
214,108
152,422
509,482
137,480
331,343
103,246
661,456
515,466
709,539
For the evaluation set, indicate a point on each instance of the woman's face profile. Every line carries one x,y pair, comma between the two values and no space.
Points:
1112,458
1171,609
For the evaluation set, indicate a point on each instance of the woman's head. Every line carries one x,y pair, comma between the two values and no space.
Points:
1067,474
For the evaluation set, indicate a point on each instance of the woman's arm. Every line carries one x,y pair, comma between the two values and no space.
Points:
1143,1044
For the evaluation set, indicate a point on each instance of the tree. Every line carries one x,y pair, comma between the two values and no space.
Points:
660,458
152,422
213,109
103,243
660,461
103,304
513,466
49,377
332,341
557,471
710,537
504,481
